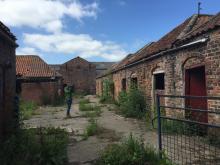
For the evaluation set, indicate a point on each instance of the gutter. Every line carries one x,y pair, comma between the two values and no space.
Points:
200,41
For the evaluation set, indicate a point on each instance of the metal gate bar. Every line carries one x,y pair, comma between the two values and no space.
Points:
187,140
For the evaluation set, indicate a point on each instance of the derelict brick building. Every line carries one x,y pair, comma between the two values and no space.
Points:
7,78
39,83
186,61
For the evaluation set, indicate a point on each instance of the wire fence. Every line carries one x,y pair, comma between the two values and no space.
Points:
189,129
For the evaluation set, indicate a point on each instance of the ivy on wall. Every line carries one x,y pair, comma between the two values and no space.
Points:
107,91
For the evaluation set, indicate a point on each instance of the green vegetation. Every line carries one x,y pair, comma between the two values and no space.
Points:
212,138
80,95
95,113
107,91
132,103
91,129
131,151
27,109
84,101
35,146
88,107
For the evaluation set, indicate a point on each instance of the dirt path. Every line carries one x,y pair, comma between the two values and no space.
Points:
82,151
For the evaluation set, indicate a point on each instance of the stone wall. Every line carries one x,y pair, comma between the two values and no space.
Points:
79,73
7,82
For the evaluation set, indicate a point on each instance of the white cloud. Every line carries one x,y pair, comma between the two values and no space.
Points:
79,44
46,14
27,51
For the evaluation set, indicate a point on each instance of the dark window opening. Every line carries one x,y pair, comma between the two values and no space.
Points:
134,82
159,81
124,84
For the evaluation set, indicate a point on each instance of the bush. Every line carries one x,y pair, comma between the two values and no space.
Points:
122,98
133,103
131,151
27,109
35,146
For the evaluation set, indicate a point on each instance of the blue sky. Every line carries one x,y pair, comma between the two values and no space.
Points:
98,30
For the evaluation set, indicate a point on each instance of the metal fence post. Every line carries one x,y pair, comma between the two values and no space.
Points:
159,126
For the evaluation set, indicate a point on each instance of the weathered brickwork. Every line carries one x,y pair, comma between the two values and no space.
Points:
79,73
39,83
40,92
7,79
173,65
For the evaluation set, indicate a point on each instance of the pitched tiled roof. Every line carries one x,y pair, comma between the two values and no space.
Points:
168,41
6,30
30,66
208,25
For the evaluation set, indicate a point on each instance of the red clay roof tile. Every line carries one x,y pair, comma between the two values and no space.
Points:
30,66
167,41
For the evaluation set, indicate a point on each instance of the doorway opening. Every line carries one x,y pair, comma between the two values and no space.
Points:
158,86
134,82
195,85
123,84
159,81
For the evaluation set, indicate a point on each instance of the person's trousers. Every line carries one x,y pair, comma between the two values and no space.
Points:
69,103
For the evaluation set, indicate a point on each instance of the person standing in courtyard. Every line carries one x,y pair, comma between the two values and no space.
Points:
68,98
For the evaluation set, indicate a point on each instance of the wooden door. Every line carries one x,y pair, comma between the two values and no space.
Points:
196,86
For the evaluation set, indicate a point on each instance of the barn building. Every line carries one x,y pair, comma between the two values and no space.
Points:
81,74
186,61
39,83
7,79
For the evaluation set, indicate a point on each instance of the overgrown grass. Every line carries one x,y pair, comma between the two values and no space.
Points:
88,107
80,94
132,103
91,129
35,146
84,101
90,110
131,151
27,109
92,114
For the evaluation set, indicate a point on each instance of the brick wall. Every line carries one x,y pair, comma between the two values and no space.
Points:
7,82
39,92
174,65
79,73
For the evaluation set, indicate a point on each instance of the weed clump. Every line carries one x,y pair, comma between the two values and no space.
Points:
27,109
35,146
84,101
91,129
131,151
